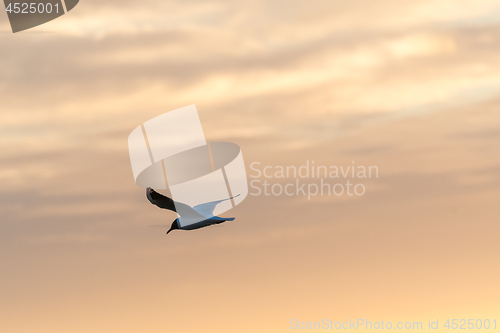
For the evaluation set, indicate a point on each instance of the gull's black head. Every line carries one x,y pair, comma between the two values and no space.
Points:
174,226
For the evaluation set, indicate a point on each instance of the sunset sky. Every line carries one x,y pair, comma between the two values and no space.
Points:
409,86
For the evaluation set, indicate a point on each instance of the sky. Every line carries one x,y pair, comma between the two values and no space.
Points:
412,87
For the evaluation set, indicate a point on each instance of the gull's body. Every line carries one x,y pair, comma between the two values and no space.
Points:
202,213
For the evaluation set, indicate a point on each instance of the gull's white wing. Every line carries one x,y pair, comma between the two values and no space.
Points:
207,209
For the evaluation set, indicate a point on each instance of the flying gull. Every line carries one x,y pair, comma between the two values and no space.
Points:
202,213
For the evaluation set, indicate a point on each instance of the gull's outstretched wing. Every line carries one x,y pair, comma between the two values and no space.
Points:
160,200
207,209
167,203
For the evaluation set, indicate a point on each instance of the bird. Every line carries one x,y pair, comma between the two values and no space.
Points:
203,213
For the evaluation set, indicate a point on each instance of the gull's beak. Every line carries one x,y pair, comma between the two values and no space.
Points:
174,226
